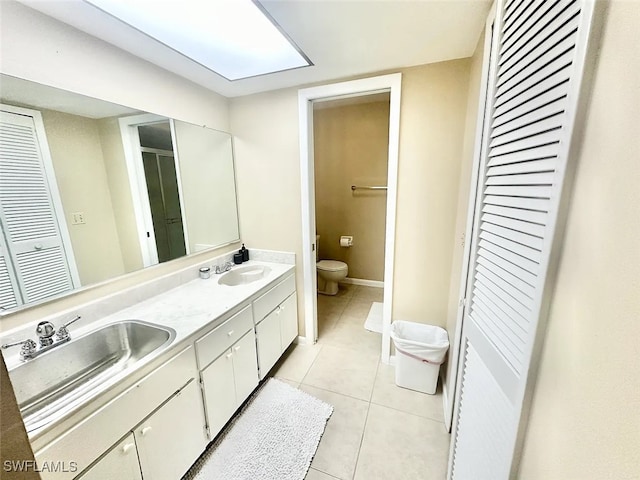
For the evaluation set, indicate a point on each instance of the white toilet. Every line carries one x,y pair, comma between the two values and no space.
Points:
330,272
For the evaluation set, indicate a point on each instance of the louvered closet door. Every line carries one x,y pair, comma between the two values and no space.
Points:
538,57
29,224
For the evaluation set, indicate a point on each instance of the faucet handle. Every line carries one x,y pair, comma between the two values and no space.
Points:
28,347
45,330
63,333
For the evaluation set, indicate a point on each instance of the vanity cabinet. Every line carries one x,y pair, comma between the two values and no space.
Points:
172,438
151,450
100,431
276,318
120,462
230,378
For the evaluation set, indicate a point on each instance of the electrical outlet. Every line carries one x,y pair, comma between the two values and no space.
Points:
77,218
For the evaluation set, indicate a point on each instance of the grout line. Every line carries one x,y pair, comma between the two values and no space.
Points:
364,429
408,413
322,471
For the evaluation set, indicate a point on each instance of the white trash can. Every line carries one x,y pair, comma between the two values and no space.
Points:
420,350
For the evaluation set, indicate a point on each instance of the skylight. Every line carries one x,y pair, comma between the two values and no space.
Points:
234,38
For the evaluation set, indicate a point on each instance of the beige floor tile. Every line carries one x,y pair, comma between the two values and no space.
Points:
352,336
345,290
343,370
387,393
358,308
330,305
288,382
373,294
314,474
295,364
326,322
400,445
339,446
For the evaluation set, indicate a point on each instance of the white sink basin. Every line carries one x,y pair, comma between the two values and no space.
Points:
244,275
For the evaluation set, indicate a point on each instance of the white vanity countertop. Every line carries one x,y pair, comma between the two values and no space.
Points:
195,304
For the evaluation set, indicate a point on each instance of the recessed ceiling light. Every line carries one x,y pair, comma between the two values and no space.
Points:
234,38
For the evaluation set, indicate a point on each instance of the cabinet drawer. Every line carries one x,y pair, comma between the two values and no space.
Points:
120,462
214,343
274,297
87,440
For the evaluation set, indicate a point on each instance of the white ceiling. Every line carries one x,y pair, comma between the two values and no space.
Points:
342,38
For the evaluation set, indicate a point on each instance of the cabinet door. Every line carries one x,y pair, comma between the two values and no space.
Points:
173,437
121,462
288,321
269,343
245,366
219,392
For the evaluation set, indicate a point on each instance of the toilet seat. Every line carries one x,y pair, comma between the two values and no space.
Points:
331,265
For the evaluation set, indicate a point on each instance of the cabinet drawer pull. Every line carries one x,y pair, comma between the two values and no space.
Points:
127,446
229,355
278,310
236,348
145,430
230,333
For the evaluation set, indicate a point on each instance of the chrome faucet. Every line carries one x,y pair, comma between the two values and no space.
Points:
223,268
45,332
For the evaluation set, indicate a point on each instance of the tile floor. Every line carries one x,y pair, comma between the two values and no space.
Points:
378,430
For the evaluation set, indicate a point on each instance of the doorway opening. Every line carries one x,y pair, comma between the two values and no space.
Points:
351,144
163,192
309,98
156,188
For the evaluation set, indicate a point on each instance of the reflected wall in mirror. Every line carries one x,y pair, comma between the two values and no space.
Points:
90,191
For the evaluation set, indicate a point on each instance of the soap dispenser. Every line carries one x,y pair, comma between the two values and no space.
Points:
245,253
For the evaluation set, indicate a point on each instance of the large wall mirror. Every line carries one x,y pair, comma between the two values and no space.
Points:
90,191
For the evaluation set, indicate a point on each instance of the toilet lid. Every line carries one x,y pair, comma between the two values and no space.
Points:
331,265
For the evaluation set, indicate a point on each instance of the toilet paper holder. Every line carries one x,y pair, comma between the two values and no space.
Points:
346,241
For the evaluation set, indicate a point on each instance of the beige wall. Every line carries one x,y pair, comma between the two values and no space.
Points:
351,145
74,143
121,199
584,421
432,127
464,187
434,100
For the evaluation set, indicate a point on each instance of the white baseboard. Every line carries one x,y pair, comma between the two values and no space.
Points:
365,283
300,340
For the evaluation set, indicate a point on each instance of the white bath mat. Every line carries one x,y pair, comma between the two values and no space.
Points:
274,437
373,323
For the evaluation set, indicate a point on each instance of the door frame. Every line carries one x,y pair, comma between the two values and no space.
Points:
138,185
391,83
450,384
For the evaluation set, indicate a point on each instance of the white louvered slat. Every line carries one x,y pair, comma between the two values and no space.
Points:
544,112
531,102
483,435
532,23
531,105
7,294
531,166
44,273
33,239
513,224
501,250
519,10
526,49
529,154
518,237
518,248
